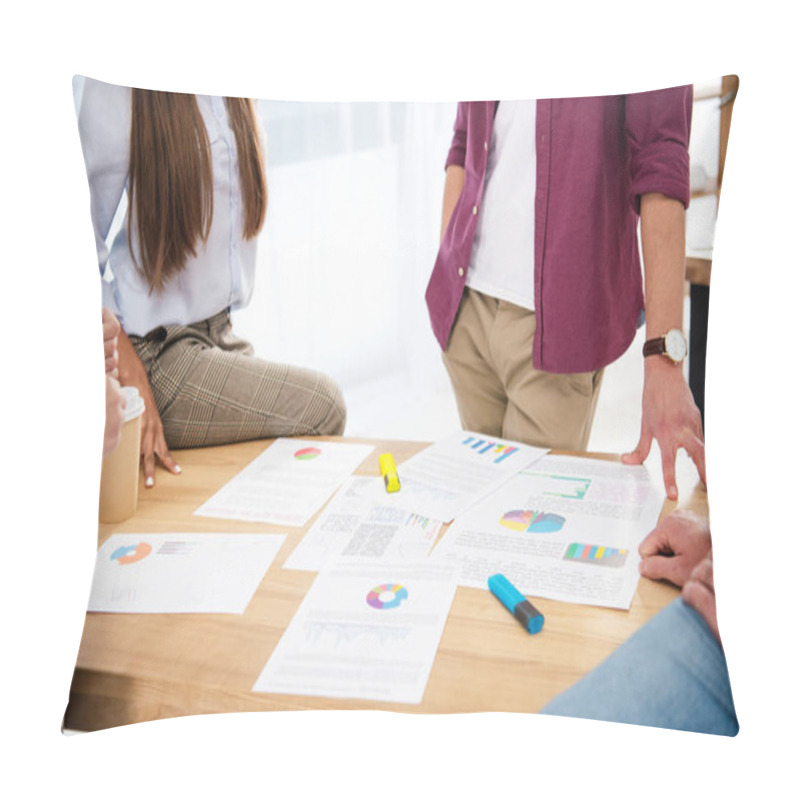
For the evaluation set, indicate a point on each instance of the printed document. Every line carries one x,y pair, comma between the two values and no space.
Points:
364,631
190,573
363,521
567,529
288,483
448,477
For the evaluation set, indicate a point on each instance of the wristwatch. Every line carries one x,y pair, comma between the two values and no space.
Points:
672,345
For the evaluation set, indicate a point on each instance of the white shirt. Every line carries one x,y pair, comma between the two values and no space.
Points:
501,263
222,273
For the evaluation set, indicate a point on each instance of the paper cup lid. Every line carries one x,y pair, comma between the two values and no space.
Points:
134,404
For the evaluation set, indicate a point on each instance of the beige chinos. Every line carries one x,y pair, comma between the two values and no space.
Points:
498,391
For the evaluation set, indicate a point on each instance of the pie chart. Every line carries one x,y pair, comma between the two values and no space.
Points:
528,521
386,596
308,453
130,554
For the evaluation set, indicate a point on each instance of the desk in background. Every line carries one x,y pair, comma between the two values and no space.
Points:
141,667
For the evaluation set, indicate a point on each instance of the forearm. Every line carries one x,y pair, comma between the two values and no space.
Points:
131,369
453,186
664,252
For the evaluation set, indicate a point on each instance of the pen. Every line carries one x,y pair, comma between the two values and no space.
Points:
389,472
526,613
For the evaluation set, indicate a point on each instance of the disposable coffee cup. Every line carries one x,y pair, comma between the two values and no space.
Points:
119,477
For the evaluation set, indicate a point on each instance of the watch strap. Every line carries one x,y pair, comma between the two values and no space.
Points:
655,347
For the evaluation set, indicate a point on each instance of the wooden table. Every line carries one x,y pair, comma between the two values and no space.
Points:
139,667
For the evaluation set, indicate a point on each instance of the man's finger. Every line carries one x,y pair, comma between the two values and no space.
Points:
657,541
641,451
659,568
668,454
697,452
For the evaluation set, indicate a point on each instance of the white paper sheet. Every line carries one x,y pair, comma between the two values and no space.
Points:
448,477
566,529
364,632
167,573
363,522
288,483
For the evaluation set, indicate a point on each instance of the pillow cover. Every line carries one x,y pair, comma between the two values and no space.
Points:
188,610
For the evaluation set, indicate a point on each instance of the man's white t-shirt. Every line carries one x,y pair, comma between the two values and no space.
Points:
501,264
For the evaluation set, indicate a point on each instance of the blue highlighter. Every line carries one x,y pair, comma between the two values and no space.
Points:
526,613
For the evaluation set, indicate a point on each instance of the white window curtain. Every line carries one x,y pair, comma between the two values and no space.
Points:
352,231
701,216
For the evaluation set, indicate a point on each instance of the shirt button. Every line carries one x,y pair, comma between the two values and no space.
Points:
460,272
486,145
474,210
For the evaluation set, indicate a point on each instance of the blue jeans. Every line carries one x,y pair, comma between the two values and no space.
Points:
671,673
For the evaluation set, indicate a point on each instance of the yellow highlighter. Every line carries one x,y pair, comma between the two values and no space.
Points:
389,472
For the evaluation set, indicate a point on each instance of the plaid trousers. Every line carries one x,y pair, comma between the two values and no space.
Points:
211,390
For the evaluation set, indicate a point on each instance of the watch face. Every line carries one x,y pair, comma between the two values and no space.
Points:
675,345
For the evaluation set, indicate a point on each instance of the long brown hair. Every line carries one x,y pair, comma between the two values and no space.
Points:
171,181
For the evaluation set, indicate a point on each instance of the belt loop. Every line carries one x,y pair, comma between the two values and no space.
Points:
158,334
219,321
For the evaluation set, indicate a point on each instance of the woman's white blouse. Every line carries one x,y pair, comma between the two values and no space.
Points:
222,273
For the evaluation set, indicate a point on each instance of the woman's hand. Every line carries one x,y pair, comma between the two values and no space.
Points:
115,415
111,331
133,373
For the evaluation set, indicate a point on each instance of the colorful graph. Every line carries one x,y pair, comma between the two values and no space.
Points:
130,554
307,453
484,446
596,555
387,595
564,486
532,521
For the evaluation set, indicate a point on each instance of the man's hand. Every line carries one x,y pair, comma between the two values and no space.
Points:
675,547
698,592
670,416
133,373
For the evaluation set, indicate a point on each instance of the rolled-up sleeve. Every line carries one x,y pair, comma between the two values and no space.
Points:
658,125
457,155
